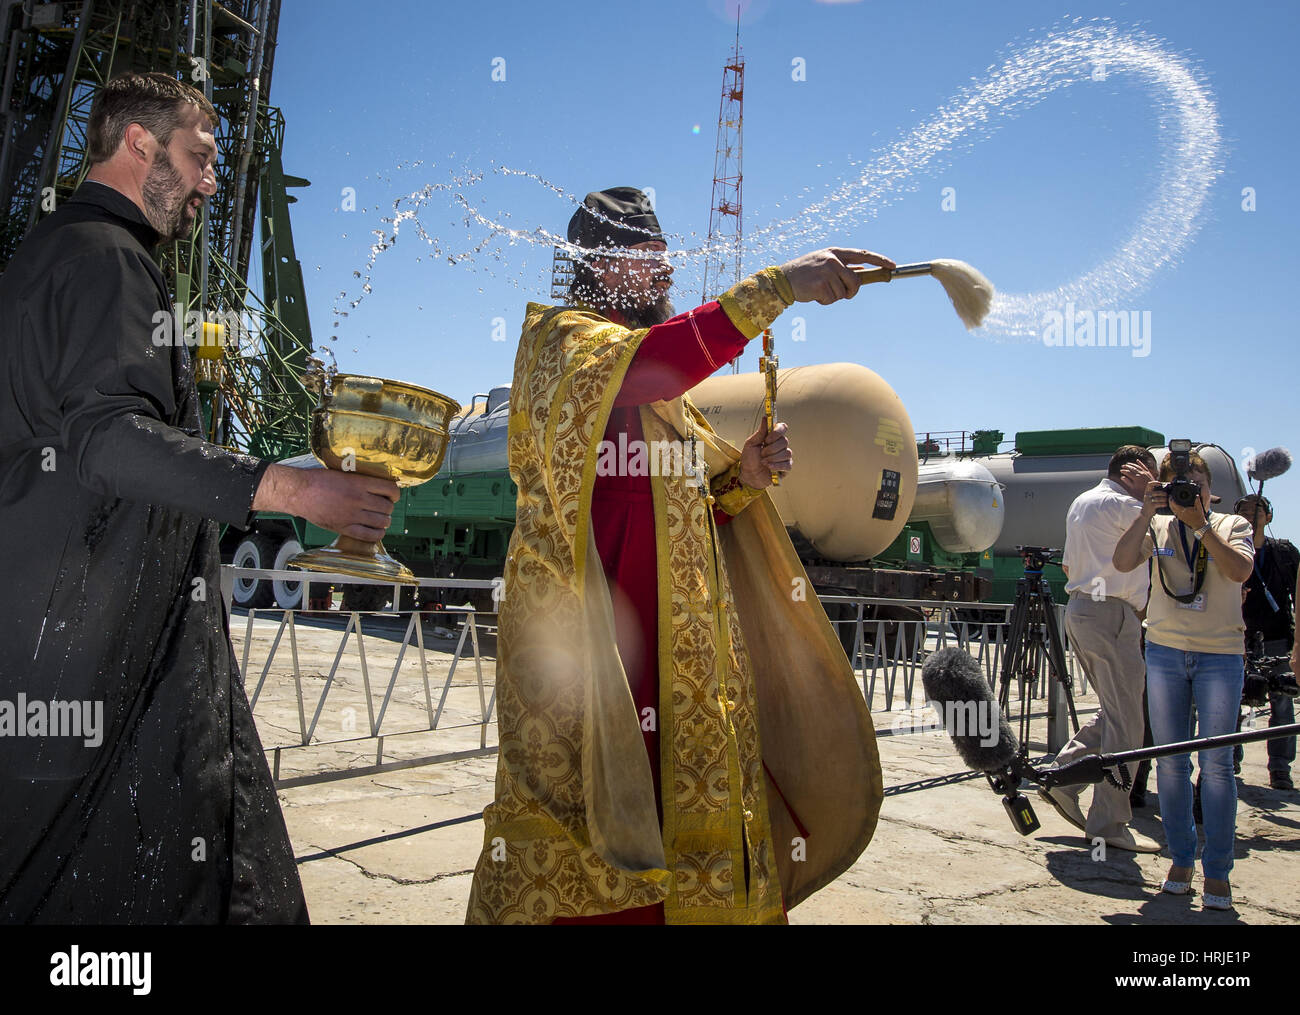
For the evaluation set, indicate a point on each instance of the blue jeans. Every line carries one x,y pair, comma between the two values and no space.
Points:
1174,680
1281,752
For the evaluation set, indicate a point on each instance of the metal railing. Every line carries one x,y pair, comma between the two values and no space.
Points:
887,651
887,648
472,623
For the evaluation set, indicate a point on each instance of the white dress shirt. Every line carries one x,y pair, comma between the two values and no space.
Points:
1095,523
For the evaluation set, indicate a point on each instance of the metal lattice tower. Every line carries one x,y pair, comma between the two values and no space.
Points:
722,261
561,276
55,57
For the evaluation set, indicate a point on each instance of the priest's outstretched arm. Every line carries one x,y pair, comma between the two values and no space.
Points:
680,353
684,350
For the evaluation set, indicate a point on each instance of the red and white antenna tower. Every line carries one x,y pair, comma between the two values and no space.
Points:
722,260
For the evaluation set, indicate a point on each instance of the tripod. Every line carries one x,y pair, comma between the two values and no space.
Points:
1034,639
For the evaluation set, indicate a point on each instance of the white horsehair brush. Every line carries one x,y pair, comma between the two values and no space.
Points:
971,293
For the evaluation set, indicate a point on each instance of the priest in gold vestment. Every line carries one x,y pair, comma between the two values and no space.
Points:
682,739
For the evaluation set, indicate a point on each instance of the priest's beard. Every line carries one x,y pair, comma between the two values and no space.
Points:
645,311
648,316
166,205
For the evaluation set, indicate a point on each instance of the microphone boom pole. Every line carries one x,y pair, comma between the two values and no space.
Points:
1093,767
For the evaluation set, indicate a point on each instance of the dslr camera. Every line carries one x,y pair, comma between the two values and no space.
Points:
1036,557
1182,490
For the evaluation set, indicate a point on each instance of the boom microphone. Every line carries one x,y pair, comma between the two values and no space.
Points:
1268,464
955,687
957,690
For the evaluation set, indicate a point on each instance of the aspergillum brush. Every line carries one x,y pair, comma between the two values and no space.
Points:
971,293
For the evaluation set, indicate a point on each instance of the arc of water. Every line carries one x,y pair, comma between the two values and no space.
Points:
1190,162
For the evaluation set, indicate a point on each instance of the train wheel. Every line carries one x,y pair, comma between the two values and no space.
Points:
408,597
257,551
287,594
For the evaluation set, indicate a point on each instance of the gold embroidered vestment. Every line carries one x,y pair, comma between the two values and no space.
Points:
750,674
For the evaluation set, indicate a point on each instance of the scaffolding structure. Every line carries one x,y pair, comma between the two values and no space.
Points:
723,248
54,58
562,266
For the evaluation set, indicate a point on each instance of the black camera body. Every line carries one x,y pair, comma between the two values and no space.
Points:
1181,490
1037,556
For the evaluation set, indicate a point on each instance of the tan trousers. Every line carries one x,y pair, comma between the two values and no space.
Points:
1106,639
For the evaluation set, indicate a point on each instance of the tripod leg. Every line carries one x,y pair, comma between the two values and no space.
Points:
1018,654
1012,647
1036,662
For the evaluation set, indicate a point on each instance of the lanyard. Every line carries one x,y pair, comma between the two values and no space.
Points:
1182,538
1199,567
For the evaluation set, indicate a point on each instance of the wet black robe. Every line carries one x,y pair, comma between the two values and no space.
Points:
109,511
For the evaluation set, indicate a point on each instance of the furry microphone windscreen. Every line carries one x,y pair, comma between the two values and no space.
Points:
957,690
971,293
1268,464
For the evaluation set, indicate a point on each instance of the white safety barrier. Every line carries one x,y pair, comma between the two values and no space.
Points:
896,645
890,637
472,624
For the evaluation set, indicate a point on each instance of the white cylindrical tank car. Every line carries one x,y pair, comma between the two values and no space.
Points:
478,436
961,501
857,480
1040,489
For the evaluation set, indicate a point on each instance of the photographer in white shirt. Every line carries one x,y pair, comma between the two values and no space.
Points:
1103,625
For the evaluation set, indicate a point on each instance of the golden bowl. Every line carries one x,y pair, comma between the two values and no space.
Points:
375,445
376,427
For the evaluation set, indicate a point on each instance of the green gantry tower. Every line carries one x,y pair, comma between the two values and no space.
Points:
54,58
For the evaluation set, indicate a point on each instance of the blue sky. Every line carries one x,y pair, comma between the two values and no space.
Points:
599,94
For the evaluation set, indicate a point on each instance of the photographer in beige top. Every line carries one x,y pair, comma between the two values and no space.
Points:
1195,653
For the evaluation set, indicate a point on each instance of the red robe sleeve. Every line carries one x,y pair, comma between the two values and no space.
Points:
678,354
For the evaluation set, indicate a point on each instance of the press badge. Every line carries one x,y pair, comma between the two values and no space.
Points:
1164,551
1197,604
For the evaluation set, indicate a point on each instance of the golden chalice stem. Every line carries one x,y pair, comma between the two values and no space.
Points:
357,547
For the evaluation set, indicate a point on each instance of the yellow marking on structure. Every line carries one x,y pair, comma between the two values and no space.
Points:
889,436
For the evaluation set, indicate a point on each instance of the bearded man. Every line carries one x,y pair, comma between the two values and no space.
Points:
682,739
156,804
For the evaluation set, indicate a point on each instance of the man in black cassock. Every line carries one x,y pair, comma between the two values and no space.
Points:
133,788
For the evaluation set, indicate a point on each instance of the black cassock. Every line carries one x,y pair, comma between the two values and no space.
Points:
109,511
